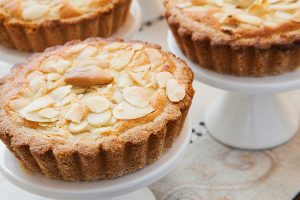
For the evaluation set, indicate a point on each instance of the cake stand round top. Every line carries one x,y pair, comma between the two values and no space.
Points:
130,27
57,189
260,85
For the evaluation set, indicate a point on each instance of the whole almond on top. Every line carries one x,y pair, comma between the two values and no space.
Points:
88,76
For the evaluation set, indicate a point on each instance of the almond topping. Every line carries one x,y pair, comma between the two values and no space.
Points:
88,76
98,120
162,78
38,104
34,12
137,96
175,91
126,111
75,113
102,130
48,113
18,104
97,104
78,127
61,92
122,59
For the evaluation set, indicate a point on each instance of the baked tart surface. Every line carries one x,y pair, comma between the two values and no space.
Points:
242,38
96,109
34,25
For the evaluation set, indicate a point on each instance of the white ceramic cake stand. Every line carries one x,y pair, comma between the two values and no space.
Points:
124,188
250,115
130,27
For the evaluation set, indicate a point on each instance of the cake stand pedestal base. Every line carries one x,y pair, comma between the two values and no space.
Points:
250,115
251,121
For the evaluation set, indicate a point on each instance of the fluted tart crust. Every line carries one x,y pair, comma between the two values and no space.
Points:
242,38
33,25
96,109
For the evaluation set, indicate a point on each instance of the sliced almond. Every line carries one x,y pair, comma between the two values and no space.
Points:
155,57
68,10
116,46
55,64
97,104
48,113
175,91
126,111
75,113
35,117
99,120
53,77
91,62
124,80
78,127
87,52
34,12
39,103
102,130
121,60
20,103
162,78
137,96
137,77
88,76
37,84
118,96
61,92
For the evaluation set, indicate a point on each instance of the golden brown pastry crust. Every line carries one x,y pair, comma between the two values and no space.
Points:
37,36
110,157
261,53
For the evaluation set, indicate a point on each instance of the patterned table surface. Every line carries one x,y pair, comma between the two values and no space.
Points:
212,171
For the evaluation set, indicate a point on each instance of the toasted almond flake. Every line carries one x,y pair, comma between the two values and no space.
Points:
53,77
55,64
27,93
78,127
39,103
91,62
78,90
87,52
137,96
75,113
124,80
18,104
118,96
61,92
126,111
102,130
34,12
97,104
249,19
99,120
48,113
116,46
155,57
35,117
137,77
37,84
121,59
137,47
162,78
175,91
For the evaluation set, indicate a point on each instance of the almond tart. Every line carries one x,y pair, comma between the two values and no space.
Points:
238,37
34,25
96,109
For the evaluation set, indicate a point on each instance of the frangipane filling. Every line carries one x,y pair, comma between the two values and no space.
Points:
236,15
90,89
33,10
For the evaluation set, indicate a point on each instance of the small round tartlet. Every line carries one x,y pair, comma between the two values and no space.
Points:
34,25
95,109
238,37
